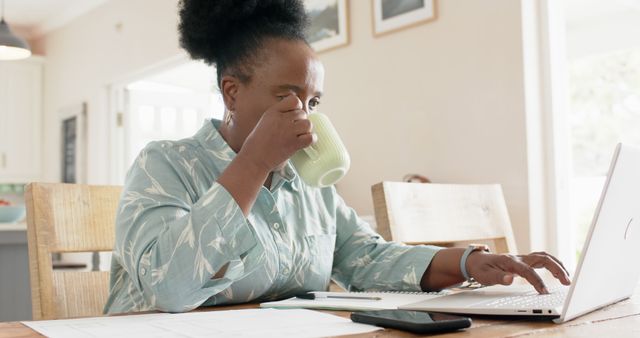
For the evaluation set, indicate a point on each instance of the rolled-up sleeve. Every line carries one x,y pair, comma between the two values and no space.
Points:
365,261
171,244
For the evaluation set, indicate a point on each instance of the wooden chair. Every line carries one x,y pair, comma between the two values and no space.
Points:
443,214
68,218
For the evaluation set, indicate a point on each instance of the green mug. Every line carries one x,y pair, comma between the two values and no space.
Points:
326,161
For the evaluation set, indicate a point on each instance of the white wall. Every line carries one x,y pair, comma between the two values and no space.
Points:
444,99
84,57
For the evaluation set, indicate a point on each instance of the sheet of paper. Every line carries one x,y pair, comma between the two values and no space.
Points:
233,323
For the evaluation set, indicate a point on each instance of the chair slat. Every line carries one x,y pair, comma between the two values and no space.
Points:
68,218
80,294
443,213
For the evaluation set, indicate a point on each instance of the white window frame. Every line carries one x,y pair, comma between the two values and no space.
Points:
548,146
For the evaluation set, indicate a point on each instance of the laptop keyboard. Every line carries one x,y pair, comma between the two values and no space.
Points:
530,300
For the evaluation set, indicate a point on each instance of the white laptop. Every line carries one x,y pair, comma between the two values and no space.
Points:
607,272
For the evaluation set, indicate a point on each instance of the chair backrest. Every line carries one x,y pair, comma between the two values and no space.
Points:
443,214
68,218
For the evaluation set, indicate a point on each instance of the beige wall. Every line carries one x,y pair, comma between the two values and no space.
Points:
444,99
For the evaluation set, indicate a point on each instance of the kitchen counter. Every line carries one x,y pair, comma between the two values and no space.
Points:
13,233
15,294
13,226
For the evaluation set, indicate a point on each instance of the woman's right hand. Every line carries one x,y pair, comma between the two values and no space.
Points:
281,131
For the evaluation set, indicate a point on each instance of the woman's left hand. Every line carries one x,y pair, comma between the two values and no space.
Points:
490,269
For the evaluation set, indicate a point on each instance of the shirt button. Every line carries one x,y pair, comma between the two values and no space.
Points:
143,271
285,271
276,226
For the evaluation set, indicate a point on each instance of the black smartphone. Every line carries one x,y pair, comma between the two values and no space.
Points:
414,321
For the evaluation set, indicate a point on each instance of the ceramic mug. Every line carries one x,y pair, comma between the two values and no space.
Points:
326,161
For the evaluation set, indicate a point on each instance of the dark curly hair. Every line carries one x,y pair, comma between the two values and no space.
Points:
230,33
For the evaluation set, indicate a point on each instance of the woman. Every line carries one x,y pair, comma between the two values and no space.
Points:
223,218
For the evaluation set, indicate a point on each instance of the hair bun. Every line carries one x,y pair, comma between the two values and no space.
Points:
212,30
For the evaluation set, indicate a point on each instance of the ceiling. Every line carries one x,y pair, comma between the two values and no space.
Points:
42,16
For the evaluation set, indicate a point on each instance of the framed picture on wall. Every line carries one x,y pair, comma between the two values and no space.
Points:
74,143
393,15
329,24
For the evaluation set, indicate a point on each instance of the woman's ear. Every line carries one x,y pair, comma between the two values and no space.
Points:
229,86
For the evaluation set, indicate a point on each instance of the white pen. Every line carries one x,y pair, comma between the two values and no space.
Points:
315,296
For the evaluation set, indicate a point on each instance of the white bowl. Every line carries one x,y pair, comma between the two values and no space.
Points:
11,213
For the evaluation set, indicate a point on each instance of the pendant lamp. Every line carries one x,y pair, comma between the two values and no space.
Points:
12,47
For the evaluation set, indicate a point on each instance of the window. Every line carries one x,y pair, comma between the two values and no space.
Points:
603,66
605,110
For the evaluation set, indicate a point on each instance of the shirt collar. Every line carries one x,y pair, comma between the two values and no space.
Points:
213,143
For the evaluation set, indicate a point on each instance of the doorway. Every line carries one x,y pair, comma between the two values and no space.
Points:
167,103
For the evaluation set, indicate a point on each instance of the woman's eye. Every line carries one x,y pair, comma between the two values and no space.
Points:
314,103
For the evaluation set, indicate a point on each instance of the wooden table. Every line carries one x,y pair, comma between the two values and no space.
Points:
618,320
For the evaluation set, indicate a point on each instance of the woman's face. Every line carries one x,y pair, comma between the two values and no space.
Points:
284,68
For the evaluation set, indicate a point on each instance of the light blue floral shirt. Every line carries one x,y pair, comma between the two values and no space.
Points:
178,229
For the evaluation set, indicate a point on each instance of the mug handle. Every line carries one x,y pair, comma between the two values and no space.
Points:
312,153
